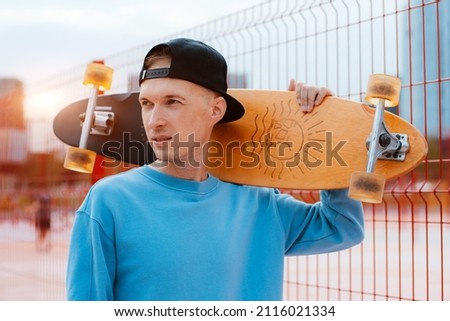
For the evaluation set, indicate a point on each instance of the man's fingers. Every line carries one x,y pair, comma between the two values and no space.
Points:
323,92
308,96
312,96
292,85
304,92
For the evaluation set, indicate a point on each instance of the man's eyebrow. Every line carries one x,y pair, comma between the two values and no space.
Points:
174,95
167,96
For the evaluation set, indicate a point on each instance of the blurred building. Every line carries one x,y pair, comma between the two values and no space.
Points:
425,69
13,143
13,136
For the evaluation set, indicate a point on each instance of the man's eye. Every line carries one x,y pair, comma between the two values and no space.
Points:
173,102
146,104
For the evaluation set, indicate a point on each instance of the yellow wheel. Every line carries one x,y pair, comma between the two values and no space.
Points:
80,160
98,75
367,187
385,87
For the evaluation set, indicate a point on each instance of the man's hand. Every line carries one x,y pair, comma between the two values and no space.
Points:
308,96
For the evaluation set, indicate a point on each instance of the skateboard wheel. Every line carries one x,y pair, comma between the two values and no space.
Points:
385,87
80,160
367,187
98,75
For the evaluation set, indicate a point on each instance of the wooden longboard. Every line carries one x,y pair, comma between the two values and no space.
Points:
274,144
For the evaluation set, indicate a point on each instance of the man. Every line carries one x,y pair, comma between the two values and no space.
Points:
43,223
171,231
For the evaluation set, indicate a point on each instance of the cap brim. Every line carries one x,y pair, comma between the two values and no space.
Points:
234,111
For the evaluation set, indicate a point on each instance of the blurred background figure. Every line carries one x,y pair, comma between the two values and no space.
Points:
43,223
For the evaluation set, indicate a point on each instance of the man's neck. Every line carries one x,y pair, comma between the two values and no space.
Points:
197,174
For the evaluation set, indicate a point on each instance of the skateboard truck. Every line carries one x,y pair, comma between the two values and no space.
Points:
103,121
80,159
390,146
382,91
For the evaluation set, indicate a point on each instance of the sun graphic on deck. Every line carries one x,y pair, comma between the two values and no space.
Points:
284,137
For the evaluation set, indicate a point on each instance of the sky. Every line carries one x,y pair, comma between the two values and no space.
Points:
40,38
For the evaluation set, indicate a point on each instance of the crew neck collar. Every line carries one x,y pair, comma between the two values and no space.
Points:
180,184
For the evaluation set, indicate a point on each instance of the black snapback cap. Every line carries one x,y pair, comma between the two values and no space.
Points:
196,62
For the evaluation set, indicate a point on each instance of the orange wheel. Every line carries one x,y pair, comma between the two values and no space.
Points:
80,160
384,87
98,75
367,187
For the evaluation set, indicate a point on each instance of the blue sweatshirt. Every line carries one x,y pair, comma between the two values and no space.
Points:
144,235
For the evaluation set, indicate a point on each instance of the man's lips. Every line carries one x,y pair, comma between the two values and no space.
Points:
160,140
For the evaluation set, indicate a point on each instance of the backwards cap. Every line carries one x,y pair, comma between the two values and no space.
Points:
196,62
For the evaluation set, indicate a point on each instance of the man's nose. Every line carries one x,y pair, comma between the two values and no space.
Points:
157,117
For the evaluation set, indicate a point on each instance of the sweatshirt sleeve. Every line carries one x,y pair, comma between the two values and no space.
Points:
91,261
333,224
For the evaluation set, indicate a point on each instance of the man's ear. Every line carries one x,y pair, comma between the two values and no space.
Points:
218,109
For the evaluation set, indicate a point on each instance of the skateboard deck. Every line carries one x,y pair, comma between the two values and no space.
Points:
274,144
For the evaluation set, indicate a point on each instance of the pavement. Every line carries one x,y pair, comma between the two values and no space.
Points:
30,273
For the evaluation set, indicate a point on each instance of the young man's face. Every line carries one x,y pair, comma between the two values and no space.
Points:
178,117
